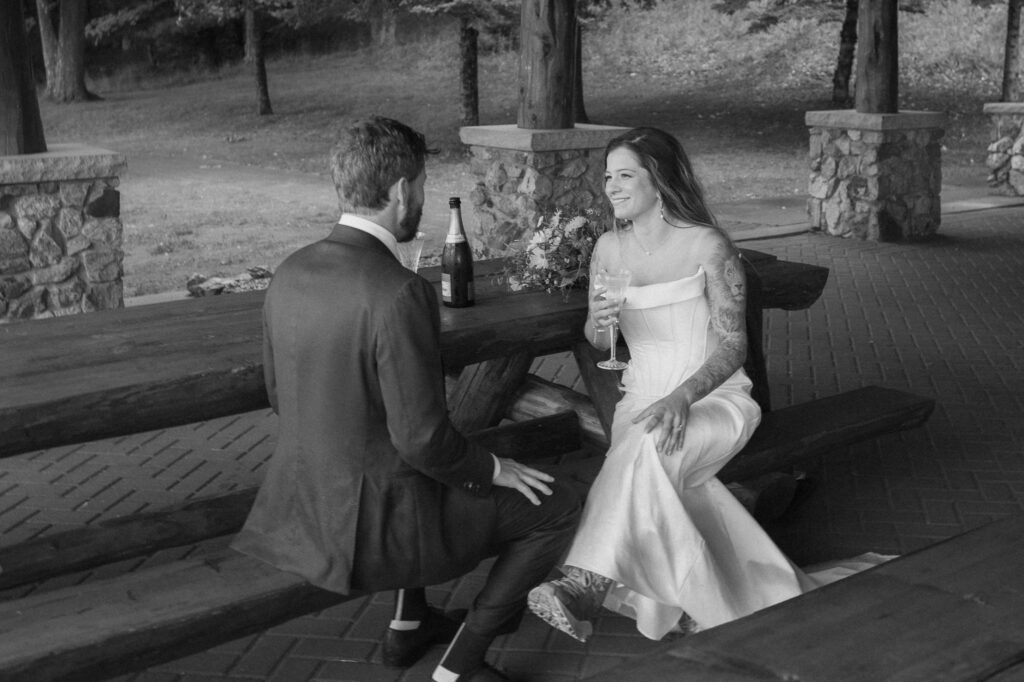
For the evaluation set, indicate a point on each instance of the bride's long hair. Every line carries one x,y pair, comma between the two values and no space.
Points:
671,172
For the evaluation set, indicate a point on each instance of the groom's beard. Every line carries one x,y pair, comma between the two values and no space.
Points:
409,225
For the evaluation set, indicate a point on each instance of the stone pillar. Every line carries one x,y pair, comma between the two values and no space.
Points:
60,232
875,176
523,174
1005,158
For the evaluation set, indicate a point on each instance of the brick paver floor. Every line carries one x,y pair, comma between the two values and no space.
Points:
943,318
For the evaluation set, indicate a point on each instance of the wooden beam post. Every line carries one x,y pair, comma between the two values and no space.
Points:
546,64
877,58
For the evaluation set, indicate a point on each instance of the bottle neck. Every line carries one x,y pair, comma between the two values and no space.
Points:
456,234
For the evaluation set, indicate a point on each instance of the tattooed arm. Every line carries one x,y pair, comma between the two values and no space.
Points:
726,289
727,297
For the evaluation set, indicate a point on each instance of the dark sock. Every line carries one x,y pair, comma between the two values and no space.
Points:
466,652
411,605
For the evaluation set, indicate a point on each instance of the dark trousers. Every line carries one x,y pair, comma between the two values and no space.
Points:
528,541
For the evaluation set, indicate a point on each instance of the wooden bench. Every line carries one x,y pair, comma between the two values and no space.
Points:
117,372
950,612
157,614
107,627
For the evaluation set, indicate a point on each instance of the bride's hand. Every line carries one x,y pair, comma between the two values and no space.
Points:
602,311
669,415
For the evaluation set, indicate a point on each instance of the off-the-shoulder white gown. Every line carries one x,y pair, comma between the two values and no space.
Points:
670,534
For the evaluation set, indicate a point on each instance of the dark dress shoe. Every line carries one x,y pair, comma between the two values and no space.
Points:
402,648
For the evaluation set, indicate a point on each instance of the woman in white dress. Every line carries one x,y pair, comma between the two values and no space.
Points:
660,536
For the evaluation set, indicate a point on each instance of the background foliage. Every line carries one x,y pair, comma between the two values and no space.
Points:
733,85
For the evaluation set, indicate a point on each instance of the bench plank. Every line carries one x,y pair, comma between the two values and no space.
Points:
819,426
784,437
103,628
190,522
950,612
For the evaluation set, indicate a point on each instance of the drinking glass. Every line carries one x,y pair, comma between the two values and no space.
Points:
614,284
409,252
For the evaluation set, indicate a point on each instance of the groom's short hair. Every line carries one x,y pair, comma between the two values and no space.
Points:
370,157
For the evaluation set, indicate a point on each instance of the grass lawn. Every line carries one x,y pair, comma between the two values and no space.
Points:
213,188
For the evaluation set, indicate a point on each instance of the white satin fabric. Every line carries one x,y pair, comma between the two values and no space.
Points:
670,534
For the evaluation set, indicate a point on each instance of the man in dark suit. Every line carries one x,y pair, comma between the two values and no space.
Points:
370,486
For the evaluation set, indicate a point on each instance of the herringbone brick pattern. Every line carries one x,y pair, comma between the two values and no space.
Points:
943,318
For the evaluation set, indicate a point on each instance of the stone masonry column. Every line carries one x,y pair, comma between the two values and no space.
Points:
875,176
1005,158
523,174
60,232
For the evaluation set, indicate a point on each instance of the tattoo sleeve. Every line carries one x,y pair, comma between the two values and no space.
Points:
727,298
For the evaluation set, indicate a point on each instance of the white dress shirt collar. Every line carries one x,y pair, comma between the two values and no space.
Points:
372,228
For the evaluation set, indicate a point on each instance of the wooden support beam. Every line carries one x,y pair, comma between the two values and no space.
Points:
482,393
537,397
602,384
877,89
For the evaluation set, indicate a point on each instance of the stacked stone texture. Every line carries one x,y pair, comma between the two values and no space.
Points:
1005,159
60,235
515,188
883,185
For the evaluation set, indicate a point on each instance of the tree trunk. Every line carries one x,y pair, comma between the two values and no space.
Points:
847,49
579,111
257,56
47,36
66,83
21,128
1012,91
468,74
249,18
877,89
546,56
383,25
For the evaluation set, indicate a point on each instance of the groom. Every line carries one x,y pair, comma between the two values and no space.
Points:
370,487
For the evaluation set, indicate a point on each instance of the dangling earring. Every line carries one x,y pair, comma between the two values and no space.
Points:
661,208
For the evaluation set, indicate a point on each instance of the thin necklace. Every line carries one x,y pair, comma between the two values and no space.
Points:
640,243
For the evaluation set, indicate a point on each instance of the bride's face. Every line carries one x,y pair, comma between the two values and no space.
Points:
628,186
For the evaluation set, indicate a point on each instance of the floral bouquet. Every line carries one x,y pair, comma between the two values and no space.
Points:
556,256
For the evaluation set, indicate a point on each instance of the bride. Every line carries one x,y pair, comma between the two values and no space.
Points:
661,539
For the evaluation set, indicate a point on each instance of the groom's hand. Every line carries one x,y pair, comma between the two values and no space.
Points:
523,478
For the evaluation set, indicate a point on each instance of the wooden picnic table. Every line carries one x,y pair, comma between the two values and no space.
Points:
114,372
108,373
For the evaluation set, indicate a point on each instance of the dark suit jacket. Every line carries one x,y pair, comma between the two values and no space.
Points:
370,487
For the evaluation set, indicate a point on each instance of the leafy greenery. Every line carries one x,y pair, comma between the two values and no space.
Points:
556,257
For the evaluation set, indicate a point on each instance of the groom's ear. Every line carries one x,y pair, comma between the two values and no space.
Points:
398,194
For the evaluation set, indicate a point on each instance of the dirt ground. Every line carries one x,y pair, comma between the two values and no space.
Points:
280,210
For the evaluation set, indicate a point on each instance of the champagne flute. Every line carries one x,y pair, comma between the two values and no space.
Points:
614,284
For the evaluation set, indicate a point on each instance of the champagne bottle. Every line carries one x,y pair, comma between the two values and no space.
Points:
456,262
